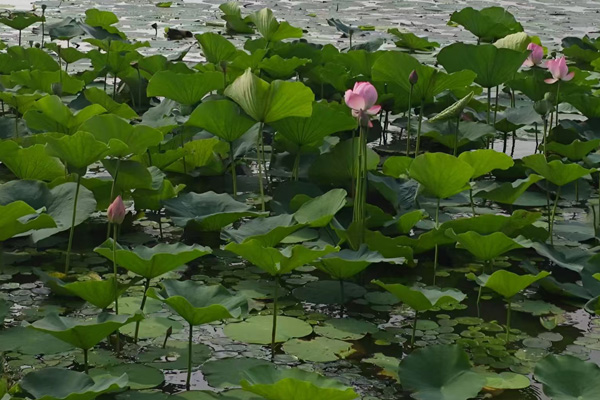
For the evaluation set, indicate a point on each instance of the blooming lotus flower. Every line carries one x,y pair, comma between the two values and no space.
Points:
536,55
361,99
116,211
559,70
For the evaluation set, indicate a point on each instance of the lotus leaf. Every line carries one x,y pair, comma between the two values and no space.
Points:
441,174
422,298
18,218
187,89
568,378
555,171
259,329
507,284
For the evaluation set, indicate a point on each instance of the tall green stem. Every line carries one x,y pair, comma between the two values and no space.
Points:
437,225
489,105
508,310
414,330
85,360
115,272
552,216
112,189
544,139
275,311
342,297
142,305
360,196
233,173
72,231
456,137
189,363
259,159
295,170
418,145
557,102
408,113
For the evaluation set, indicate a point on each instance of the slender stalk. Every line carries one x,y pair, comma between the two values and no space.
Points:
478,300
275,310
343,298
508,310
112,190
160,229
408,113
437,225
418,145
295,170
85,360
72,231
189,363
181,144
114,86
414,330
115,272
233,173
544,139
142,305
259,146
496,106
552,216
456,137
350,36
19,37
557,101
537,142
471,201
140,92
489,105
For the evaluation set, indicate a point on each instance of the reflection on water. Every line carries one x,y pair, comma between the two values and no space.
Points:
16,4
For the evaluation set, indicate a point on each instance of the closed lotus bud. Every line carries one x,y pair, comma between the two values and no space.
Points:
57,88
413,78
543,107
116,211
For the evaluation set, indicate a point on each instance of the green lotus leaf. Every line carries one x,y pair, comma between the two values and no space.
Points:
152,262
208,211
468,132
233,17
455,110
98,96
269,231
397,166
203,154
574,151
487,247
150,199
216,48
505,380
185,89
318,212
347,263
346,329
492,65
83,334
271,29
29,342
30,162
395,67
49,114
309,132
412,42
269,102
505,193
515,41
484,161
441,174
319,349
199,304
140,376
64,384
276,261
556,171
568,378
422,298
133,174
586,104
293,384
228,372
488,24
43,81
121,137
77,151
58,203
20,20
222,118
507,284
258,329
100,293
440,372
18,217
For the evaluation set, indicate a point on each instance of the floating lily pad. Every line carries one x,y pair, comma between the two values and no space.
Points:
228,372
175,355
568,378
346,329
258,329
140,376
328,292
506,380
320,349
153,327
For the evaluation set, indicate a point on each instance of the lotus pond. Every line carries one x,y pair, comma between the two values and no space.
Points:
267,216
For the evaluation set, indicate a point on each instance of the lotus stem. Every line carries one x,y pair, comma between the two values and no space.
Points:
478,300
114,85
142,305
85,360
456,137
471,201
72,231
508,310
408,113
342,297
189,363
350,36
182,144
544,139
296,168
274,327
233,173
537,141
360,196
557,101
112,190
414,330
19,37
418,145
259,146
552,216
489,105
437,225
160,229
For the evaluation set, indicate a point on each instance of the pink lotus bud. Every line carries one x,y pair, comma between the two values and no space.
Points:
116,211
413,78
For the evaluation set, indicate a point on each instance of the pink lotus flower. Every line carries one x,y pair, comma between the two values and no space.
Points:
536,55
361,99
559,70
116,211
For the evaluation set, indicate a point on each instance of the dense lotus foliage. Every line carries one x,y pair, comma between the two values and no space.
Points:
288,220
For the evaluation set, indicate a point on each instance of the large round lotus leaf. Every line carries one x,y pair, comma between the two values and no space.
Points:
78,150
442,175
57,383
208,211
151,262
83,334
235,394
423,298
269,231
328,292
484,161
58,203
568,378
293,384
222,118
556,171
506,380
18,217
30,162
129,305
152,327
200,304
440,372
318,212
346,329
507,284
31,342
228,372
319,349
487,247
347,263
184,88
260,289
258,329
175,355
487,24
100,293
140,376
